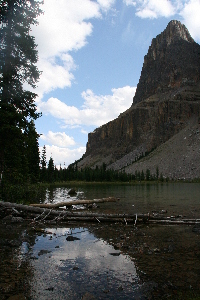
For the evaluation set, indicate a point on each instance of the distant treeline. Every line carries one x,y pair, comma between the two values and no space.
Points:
20,190
99,174
50,173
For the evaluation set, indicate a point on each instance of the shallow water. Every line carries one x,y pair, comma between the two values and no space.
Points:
73,268
106,261
103,262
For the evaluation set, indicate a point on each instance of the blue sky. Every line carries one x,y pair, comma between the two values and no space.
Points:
91,53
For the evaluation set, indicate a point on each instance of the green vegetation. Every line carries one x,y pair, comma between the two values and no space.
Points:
51,174
19,152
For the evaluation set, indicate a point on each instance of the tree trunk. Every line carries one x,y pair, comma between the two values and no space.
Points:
75,202
41,214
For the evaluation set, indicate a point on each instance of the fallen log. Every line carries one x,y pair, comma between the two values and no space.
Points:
51,212
74,202
175,222
46,214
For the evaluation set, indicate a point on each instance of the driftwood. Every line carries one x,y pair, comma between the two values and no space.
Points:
53,216
75,202
67,214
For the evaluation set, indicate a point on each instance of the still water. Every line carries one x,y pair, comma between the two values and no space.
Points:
85,267
107,261
176,198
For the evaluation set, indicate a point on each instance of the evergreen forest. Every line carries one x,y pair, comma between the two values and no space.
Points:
19,148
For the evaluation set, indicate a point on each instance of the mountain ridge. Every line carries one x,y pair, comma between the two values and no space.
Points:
166,100
164,64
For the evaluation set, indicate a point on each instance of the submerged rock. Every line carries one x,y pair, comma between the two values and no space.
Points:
72,192
120,288
115,254
41,252
50,289
71,238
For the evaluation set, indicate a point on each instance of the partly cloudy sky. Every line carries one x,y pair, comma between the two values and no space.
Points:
91,54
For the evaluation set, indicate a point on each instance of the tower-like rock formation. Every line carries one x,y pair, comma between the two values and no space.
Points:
171,62
166,99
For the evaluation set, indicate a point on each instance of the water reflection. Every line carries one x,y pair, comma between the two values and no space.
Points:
85,265
107,261
56,195
101,261
15,267
177,198
167,258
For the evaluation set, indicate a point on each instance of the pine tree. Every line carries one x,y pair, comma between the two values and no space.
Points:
148,174
142,175
157,173
18,58
50,170
43,172
32,152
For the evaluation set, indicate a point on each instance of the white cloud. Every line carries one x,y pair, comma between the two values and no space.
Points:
106,4
55,75
101,109
154,8
130,2
60,110
188,11
190,14
84,131
63,155
63,27
96,110
58,139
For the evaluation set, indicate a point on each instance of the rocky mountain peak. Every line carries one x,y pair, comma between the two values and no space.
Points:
174,31
162,127
172,61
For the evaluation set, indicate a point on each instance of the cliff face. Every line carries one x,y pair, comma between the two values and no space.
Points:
171,62
167,98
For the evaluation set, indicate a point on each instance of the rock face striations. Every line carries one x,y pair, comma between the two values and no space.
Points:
166,102
171,62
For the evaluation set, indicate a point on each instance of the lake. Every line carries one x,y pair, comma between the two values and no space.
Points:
176,198
107,261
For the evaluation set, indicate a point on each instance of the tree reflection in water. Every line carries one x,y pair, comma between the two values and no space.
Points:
15,269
